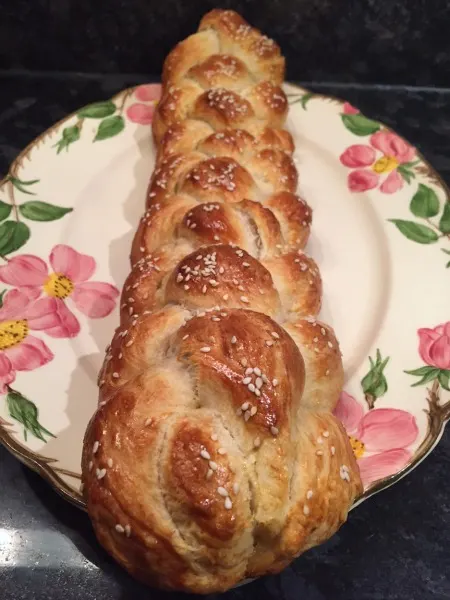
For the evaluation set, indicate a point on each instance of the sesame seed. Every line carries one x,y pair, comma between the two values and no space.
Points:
333,450
274,382
269,343
246,380
245,264
110,462
95,448
245,405
129,343
259,383
257,442
309,494
221,451
100,473
225,297
244,299
222,491
257,371
119,529
319,452
185,337
257,392
148,421
216,319
241,288
127,530
306,510
233,339
249,371
244,362
236,488
179,277
246,415
326,434
330,345
251,387
205,349
186,287
228,504
213,465
205,454
344,473
209,474
275,335
214,437
90,465
319,440
322,331
253,411
274,430
116,375
327,372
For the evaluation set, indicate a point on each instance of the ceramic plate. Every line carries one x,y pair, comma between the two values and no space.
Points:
69,207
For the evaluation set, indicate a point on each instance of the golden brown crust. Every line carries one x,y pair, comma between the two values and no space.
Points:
214,455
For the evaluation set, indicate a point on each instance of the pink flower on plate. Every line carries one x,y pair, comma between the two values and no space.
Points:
434,346
51,291
394,153
349,109
379,438
20,351
142,112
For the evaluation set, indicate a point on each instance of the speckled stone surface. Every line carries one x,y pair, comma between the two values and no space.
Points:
323,40
393,547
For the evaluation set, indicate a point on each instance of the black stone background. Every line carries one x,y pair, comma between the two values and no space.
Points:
390,59
368,41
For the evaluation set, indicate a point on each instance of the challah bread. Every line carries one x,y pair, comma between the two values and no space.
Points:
214,455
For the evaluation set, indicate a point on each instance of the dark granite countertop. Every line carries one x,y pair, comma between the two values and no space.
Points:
395,546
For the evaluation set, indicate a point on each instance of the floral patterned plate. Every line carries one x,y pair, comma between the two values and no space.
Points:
69,207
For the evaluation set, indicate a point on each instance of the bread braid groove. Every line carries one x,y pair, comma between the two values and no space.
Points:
222,457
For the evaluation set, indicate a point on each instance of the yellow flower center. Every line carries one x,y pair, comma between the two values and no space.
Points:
357,446
385,164
58,286
12,333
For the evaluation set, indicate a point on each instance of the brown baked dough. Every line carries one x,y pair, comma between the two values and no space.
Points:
214,455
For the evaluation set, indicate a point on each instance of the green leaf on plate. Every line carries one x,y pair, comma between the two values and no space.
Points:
2,295
98,110
406,173
421,371
22,185
416,232
446,251
444,223
374,382
359,124
69,136
431,374
444,379
42,211
13,235
24,411
5,210
109,127
305,99
447,266
425,202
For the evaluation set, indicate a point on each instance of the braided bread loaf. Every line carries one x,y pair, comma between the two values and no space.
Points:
214,455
